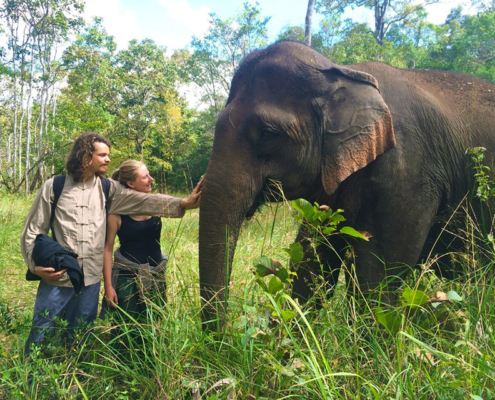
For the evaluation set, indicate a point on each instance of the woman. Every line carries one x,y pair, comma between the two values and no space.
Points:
138,267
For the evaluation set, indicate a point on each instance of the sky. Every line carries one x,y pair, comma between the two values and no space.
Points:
172,23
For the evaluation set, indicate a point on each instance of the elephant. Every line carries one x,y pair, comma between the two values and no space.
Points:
386,145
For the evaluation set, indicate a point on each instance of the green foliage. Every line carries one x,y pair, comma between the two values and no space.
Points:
88,62
465,43
335,352
209,68
485,187
419,308
292,33
193,150
214,58
387,14
322,220
132,96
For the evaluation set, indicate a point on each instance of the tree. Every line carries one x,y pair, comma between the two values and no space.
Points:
358,45
131,96
387,13
309,16
36,30
465,43
88,62
215,58
292,33
209,68
143,96
484,5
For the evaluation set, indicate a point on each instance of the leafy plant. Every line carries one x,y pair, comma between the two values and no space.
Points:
323,220
432,310
485,189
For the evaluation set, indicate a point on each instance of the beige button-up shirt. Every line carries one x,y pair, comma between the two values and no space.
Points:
80,220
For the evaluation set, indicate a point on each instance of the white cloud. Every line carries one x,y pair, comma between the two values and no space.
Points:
118,21
438,12
196,21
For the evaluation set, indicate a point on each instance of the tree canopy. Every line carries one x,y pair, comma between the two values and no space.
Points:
62,76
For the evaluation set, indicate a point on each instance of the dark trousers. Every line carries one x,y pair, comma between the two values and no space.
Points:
55,301
130,301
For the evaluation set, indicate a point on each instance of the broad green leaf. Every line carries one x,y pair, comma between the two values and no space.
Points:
337,217
452,295
283,274
328,230
347,230
275,285
262,264
287,314
389,319
475,397
412,297
296,252
305,208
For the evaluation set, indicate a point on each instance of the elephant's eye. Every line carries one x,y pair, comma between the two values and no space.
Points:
269,133
266,132
269,140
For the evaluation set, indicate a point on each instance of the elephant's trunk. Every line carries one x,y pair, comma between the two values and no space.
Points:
228,192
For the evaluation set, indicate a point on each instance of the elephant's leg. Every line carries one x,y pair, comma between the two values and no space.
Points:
399,226
443,241
324,261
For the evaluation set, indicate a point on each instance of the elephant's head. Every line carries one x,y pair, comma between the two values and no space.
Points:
292,116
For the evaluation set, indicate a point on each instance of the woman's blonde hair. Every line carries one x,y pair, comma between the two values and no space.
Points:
127,171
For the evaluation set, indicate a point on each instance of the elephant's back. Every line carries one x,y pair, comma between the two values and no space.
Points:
454,92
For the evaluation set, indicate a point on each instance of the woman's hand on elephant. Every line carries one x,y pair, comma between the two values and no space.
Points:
194,199
111,297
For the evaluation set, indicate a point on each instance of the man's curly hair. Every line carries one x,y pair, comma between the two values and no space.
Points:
82,153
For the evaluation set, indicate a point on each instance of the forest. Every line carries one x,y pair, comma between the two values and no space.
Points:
62,75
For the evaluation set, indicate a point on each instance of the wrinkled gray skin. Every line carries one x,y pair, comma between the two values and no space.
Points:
325,132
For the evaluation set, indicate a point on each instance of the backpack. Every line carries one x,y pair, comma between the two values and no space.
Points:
58,185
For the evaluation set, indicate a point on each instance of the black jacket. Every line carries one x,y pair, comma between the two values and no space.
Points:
49,253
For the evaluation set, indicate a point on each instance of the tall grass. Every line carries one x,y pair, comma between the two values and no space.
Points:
441,350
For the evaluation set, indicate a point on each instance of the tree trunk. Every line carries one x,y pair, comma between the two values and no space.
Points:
309,16
28,127
21,120
40,131
380,10
14,41
37,178
9,155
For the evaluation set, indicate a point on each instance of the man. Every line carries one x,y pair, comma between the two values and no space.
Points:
80,226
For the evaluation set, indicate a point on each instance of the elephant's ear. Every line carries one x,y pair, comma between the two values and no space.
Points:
357,125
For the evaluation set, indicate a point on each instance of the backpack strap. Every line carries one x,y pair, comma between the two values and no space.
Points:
58,186
105,185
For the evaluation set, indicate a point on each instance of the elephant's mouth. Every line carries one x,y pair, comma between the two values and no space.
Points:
253,208
271,192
